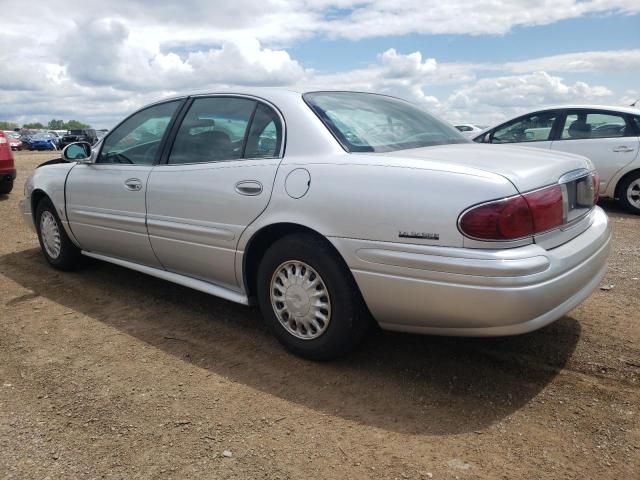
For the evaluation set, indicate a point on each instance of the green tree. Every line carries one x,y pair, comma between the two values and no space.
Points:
75,124
4,125
33,125
56,124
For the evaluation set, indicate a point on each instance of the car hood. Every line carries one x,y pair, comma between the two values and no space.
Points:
527,168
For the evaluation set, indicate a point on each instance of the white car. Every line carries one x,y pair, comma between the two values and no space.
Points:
329,209
468,130
608,135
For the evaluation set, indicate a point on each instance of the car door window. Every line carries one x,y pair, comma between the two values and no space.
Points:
265,134
136,141
582,124
213,130
531,128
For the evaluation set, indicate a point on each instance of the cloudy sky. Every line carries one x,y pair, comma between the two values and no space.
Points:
467,60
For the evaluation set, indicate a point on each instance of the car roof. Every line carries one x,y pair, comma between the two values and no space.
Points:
616,108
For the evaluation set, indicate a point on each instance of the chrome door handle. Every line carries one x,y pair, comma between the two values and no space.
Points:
623,149
133,184
249,187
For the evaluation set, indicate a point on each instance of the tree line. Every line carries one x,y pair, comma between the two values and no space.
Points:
52,125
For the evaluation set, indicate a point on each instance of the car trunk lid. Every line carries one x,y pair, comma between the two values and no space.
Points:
526,168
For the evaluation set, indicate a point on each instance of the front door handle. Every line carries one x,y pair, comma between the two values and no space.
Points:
249,187
623,149
133,184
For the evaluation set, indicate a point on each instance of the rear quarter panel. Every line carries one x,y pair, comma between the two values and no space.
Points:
358,197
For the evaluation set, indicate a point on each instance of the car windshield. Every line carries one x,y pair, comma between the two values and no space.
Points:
365,122
76,132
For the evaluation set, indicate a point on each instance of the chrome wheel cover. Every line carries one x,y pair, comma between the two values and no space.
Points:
633,193
300,300
50,234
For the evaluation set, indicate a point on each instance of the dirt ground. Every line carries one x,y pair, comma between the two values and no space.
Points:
108,373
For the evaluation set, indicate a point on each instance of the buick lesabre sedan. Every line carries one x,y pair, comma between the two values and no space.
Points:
331,210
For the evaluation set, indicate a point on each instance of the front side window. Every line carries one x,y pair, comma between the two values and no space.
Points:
364,122
584,124
213,130
531,128
136,141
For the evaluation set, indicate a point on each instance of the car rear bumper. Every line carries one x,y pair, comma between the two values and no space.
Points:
473,292
7,175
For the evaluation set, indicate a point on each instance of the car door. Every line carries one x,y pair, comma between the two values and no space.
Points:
215,180
607,138
106,199
535,129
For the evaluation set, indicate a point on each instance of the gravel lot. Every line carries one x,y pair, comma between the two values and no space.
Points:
107,373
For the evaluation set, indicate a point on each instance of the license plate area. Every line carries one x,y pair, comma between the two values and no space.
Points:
578,195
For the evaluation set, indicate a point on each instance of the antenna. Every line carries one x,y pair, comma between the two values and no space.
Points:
634,103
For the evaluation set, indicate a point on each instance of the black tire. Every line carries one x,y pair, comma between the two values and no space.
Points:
69,256
624,193
6,186
349,317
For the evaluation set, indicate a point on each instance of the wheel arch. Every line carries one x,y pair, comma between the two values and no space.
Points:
631,173
262,239
36,197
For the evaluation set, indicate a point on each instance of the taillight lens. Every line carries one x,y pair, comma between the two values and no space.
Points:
546,208
515,217
595,178
506,219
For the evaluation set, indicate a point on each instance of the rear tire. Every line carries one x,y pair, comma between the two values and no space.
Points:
56,246
309,298
630,194
6,187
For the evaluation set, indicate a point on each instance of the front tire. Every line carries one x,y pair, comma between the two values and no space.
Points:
56,246
630,194
309,298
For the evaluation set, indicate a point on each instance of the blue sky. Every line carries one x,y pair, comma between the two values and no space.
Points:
465,60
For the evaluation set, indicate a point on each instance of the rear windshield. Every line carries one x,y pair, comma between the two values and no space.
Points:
365,122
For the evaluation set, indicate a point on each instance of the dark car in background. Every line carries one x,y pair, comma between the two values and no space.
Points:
7,165
79,135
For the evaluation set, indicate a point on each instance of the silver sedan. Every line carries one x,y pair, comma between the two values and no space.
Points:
331,210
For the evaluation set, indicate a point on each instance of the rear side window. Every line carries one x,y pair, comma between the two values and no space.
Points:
530,128
227,128
584,124
265,135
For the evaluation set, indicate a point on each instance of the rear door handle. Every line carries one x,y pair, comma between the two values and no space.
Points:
623,149
133,184
249,187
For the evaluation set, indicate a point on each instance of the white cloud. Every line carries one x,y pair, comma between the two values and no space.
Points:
127,53
494,99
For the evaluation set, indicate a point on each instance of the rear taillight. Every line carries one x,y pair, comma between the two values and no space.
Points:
515,217
546,208
595,178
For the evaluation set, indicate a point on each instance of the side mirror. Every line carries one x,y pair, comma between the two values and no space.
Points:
77,152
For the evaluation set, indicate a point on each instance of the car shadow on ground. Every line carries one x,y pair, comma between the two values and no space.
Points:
614,209
397,382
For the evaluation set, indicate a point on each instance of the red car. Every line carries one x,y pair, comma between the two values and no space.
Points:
15,143
7,166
